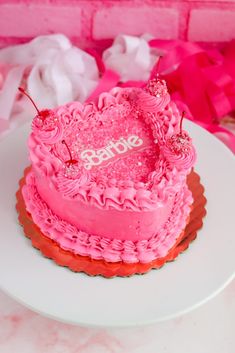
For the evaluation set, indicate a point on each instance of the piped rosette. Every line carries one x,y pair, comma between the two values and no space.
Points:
98,161
154,97
179,151
47,127
46,124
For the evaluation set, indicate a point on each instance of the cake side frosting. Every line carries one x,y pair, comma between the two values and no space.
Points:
111,250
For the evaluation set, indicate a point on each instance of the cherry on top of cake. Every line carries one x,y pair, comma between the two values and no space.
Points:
121,136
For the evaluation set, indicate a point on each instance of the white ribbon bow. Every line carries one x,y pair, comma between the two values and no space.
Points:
131,57
54,71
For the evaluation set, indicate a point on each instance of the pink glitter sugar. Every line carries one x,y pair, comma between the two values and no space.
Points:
135,164
135,167
157,87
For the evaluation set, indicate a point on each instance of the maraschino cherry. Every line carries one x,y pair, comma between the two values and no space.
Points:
156,86
43,114
181,141
70,161
179,151
46,125
154,97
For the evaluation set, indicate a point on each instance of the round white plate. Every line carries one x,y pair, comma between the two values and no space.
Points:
196,275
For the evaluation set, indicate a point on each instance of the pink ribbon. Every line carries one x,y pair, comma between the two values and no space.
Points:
196,75
108,80
203,79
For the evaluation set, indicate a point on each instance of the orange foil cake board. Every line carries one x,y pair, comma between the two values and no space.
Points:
77,263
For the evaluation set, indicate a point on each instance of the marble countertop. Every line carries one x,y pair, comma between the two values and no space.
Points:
208,329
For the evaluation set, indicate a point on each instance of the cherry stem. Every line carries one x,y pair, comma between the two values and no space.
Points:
68,149
155,73
158,65
181,121
27,95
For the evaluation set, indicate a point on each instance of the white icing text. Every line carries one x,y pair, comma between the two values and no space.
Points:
113,149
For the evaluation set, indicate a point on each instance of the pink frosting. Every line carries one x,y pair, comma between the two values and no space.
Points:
180,152
124,221
47,127
155,97
69,184
43,161
71,238
41,155
162,171
135,189
149,103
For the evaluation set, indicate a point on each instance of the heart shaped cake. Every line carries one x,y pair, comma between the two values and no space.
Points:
108,177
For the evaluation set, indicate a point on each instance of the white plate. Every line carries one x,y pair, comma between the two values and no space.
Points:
196,276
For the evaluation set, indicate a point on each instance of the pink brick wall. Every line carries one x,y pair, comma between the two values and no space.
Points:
95,22
108,22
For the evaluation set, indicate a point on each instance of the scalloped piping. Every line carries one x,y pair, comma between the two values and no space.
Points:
70,238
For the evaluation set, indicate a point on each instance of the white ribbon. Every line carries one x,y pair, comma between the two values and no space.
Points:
131,57
54,71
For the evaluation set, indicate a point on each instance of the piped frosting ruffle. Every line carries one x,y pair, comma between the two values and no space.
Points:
68,237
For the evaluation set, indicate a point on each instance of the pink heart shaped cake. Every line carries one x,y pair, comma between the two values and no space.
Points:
108,178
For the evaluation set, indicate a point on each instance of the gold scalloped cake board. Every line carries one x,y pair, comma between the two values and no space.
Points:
77,263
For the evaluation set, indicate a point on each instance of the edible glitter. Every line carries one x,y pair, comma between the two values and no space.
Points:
157,87
110,124
178,143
